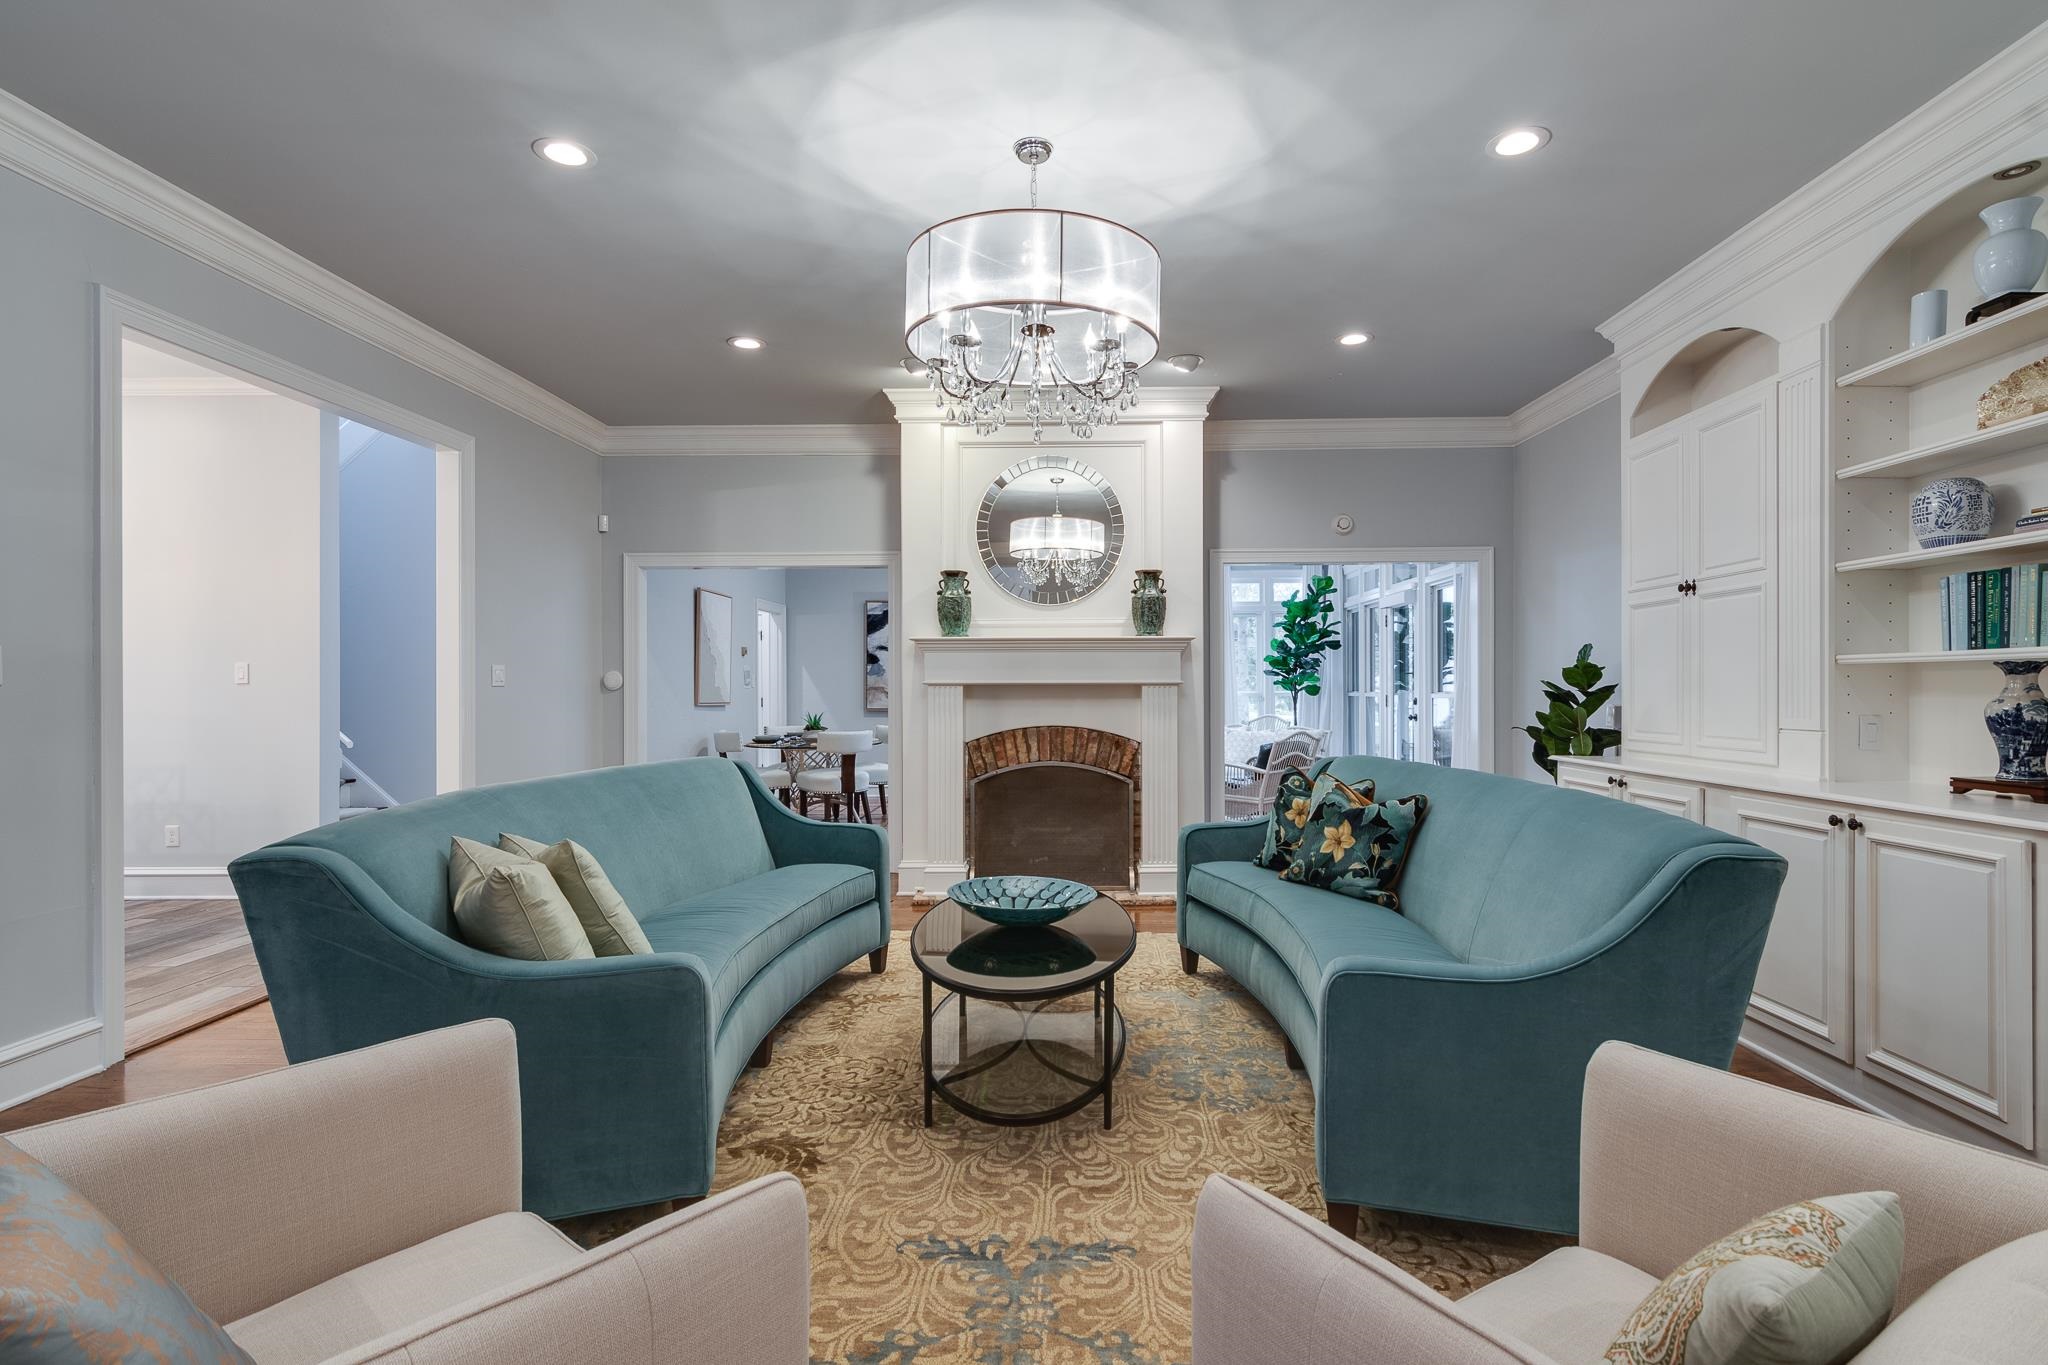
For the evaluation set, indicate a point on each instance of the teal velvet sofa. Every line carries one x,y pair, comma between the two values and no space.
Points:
1447,1043
624,1062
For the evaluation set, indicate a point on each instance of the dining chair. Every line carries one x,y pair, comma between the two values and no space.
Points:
844,782
731,744
878,773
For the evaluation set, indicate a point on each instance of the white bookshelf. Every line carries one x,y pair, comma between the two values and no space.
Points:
1959,350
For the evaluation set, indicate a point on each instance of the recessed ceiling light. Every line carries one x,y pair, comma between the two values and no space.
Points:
562,152
1186,364
1354,339
1518,141
2019,172
744,343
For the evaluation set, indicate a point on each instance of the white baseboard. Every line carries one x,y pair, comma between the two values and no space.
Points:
1158,879
36,1065
176,883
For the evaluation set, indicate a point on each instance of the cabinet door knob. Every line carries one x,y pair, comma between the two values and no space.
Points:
1612,779
1835,821
1854,824
1621,782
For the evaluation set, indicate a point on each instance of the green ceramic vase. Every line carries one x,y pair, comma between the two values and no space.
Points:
1148,601
956,604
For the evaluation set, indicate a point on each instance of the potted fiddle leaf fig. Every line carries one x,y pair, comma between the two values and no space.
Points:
1305,631
1564,727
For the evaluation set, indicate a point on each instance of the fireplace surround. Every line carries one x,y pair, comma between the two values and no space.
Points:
1057,801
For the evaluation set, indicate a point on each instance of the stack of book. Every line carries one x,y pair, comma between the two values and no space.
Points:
1992,608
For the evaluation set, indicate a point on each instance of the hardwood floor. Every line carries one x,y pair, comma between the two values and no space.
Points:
246,1042
188,962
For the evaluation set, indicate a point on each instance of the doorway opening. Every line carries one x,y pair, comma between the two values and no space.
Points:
1407,679
285,608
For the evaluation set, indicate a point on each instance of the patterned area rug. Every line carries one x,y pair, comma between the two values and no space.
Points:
1040,1246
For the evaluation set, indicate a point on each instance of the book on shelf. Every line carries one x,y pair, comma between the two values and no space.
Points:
1995,608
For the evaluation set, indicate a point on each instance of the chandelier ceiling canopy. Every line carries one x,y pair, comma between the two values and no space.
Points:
1059,309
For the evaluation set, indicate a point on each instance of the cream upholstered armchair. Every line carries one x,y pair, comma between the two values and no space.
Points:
365,1207
1672,1156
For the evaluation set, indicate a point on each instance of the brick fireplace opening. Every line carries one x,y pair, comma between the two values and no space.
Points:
1055,801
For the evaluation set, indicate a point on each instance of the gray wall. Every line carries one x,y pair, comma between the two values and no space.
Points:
537,565
1567,584
812,504
827,646
676,726
1400,499
387,614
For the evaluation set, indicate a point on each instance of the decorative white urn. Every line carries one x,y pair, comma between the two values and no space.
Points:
2012,258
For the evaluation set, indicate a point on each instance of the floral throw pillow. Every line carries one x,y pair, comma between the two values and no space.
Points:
1359,850
1294,805
1809,1284
73,1289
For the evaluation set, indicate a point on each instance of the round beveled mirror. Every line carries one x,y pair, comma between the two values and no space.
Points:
1050,530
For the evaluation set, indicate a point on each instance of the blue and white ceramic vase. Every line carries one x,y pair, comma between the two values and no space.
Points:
2018,721
1951,512
2012,258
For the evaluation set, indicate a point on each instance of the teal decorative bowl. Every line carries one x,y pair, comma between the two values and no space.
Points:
1020,900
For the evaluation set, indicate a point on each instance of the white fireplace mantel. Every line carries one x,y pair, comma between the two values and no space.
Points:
1053,660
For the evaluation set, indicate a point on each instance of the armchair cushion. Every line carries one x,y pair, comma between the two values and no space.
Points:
403,1288
737,930
598,905
508,904
72,1288
1990,1311
1809,1283
1569,1305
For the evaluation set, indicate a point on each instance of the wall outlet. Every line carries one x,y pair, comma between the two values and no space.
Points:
173,836
497,675
1869,735
241,675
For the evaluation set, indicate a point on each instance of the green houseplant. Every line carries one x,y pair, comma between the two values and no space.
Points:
1563,726
814,721
1305,631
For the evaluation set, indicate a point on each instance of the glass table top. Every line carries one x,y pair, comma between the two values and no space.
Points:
963,952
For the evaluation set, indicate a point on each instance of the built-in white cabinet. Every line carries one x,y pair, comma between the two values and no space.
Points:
1900,961
1945,970
1700,629
1804,983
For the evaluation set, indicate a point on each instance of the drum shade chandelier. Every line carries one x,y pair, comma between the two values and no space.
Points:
1056,310
1059,548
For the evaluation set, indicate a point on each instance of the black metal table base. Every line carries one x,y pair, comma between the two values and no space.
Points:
1111,1045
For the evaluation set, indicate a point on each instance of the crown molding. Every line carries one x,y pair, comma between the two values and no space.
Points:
1360,433
191,386
841,439
39,148
1933,150
1590,387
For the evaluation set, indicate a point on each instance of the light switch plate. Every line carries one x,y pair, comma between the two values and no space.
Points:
497,675
1869,734
241,675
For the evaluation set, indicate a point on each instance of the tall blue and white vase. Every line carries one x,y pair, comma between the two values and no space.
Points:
2018,721
1952,512
2012,258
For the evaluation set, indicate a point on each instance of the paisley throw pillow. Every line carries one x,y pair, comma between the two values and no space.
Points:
1358,849
73,1289
1294,805
1809,1284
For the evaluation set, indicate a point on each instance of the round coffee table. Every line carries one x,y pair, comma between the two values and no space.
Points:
1028,1030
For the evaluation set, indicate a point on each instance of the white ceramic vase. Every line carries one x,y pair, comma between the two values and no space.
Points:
2012,258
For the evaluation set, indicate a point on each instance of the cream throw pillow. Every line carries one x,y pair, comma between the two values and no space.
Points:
1809,1284
508,904
612,929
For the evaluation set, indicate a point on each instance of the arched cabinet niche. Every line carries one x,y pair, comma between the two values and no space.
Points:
1701,553
1903,416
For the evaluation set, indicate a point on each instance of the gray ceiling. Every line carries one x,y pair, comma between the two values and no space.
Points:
1304,167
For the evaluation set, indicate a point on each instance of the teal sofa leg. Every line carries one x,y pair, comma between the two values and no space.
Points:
763,1054
1189,961
878,960
1294,1062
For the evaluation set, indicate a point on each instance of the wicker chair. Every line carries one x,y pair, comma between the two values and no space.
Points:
1249,791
